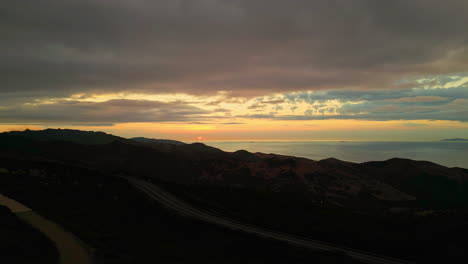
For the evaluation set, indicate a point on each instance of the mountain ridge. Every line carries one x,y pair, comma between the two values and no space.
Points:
332,180
153,140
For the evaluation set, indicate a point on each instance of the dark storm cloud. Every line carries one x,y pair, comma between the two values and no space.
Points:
58,47
92,113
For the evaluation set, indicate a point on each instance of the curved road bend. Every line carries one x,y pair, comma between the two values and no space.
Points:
171,202
70,249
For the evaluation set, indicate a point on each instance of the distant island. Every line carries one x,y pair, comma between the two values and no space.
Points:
455,139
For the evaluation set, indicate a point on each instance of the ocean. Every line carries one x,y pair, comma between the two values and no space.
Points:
451,154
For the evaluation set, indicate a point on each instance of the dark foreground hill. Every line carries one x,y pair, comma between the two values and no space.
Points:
414,210
331,181
121,226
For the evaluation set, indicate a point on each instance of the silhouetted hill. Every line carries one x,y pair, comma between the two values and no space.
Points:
395,207
422,179
76,136
245,155
331,180
152,140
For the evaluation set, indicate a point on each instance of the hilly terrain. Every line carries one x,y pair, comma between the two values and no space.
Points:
398,207
332,181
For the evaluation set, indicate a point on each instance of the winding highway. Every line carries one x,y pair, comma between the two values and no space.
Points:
170,201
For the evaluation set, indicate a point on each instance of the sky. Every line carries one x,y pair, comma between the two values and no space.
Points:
197,70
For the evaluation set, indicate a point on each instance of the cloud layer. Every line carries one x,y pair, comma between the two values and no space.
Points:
404,104
227,61
247,47
100,113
